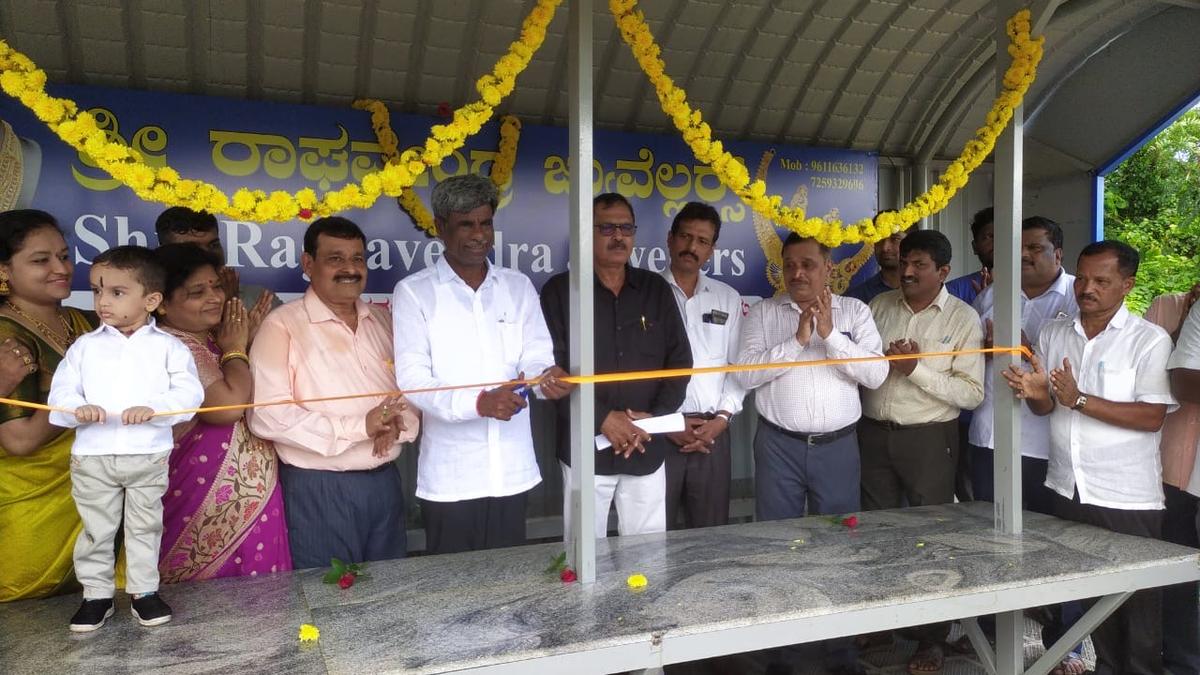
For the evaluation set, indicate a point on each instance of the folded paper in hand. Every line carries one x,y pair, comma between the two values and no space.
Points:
663,424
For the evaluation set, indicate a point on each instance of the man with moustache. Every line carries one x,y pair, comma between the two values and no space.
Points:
466,320
342,490
909,435
636,327
698,468
806,458
1047,293
1107,394
887,257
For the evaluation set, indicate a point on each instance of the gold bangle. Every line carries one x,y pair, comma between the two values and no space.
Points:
230,356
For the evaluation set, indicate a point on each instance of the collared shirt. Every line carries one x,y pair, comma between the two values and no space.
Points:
106,368
1111,466
867,290
1181,431
814,399
303,351
639,329
713,320
1058,302
448,333
938,387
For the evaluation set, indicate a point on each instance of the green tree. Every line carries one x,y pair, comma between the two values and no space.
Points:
1152,202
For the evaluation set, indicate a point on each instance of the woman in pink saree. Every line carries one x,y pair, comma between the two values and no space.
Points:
223,510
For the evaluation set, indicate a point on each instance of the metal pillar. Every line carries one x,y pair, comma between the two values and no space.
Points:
579,163
1010,653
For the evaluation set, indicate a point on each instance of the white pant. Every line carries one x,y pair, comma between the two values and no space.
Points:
641,502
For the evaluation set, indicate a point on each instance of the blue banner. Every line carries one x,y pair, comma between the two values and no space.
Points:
269,146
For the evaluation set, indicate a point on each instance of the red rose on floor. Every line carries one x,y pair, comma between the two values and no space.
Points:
850,522
346,580
567,575
306,213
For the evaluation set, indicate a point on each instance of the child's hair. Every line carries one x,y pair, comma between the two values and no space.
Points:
141,261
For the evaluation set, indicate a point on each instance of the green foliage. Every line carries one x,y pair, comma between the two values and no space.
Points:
1152,202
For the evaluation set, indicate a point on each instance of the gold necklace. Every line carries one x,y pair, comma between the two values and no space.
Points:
68,333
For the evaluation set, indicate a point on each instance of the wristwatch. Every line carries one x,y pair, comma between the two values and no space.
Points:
725,415
1080,402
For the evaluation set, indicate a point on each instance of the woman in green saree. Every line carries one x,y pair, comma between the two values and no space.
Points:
38,520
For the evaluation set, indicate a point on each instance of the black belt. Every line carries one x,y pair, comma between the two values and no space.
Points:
823,438
893,426
701,416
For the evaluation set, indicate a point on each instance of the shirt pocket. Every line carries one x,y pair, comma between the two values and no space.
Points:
512,336
1117,384
712,338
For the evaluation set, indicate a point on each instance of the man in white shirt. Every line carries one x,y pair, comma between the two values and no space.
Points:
1047,293
698,468
1107,394
806,456
465,320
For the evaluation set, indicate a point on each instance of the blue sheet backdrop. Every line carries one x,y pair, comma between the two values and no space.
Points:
272,146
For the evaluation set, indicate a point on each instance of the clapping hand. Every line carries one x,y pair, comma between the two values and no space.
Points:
1062,381
1030,385
899,347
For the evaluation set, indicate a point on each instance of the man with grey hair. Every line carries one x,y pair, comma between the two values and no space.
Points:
465,320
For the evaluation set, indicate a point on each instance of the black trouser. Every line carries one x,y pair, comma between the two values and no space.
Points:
698,485
916,463
474,524
1129,642
352,515
1181,604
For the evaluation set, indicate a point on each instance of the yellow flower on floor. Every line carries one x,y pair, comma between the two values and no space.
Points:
309,632
636,581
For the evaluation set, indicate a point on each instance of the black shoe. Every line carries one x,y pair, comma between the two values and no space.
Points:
150,610
91,615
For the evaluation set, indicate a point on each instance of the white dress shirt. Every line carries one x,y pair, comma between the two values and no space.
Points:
448,333
713,320
816,399
105,368
1058,302
1111,466
1187,355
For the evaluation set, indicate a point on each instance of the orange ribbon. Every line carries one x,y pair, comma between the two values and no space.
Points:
603,378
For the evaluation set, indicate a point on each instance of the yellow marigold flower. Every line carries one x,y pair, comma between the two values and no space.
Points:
636,581
243,200
309,632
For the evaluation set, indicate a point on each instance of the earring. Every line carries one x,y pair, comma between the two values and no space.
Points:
4,289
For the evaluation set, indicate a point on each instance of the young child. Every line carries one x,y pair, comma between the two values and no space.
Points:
113,379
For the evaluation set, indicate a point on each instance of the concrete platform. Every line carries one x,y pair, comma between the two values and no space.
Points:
715,591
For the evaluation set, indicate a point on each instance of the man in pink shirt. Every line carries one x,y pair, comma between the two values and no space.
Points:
341,489
1180,434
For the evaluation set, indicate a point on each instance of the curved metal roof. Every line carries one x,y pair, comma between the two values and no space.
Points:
902,79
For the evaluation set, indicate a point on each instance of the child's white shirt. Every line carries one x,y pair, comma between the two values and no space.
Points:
108,369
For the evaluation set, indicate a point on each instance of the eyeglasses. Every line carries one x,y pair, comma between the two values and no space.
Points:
608,229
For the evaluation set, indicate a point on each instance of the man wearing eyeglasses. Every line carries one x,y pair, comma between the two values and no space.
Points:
636,327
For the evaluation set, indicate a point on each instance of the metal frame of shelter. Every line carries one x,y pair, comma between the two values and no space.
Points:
1008,655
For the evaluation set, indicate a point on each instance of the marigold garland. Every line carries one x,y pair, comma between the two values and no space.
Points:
21,79
1025,51
409,201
